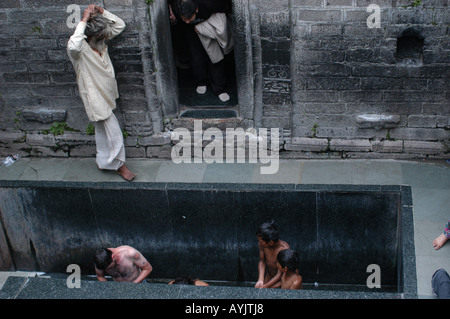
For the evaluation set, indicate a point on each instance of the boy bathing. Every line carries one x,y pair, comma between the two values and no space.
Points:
269,276
288,265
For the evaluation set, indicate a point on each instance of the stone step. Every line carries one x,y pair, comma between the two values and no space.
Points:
55,287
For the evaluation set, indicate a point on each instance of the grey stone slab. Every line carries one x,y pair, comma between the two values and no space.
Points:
229,173
41,169
377,173
288,172
216,292
45,288
326,172
145,170
12,287
14,171
426,175
183,172
431,204
56,288
84,170
352,172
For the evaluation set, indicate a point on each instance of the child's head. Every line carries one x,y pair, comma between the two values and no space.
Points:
288,258
268,232
184,280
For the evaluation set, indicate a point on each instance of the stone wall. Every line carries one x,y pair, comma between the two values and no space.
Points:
355,93
335,87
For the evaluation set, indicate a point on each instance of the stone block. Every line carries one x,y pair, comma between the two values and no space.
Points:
339,3
307,3
118,2
83,151
377,121
333,84
387,146
421,121
422,147
156,139
44,151
36,139
307,144
355,145
9,137
319,16
416,134
75,138
135,152
44,115
37,43
162,152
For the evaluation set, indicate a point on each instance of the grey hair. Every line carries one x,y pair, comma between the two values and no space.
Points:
96,26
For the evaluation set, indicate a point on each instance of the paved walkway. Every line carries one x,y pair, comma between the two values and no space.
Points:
430,184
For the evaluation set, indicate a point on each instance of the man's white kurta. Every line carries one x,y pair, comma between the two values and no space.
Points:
98,90
95,74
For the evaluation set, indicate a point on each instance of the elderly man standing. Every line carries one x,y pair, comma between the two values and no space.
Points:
88,53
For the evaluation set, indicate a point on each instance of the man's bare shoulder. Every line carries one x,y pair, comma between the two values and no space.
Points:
128,251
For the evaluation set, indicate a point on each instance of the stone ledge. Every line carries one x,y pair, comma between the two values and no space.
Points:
424,147
156,139
387,146
307,144
44,115
355,145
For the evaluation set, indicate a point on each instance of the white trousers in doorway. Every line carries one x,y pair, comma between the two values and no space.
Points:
109,141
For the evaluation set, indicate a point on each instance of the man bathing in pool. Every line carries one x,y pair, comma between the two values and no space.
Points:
123,263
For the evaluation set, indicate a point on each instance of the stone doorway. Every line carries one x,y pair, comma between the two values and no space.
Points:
189,101
248,97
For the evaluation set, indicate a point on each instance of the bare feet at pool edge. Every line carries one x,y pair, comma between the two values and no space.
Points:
126,173
439,241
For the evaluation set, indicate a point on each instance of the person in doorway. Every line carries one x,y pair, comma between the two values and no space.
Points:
269,276
288,264
439,241
204,70
123,263
96,81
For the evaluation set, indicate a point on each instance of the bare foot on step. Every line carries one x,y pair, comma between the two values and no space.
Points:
439,241
126,173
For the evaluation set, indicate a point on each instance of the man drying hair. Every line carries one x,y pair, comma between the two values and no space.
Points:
96,81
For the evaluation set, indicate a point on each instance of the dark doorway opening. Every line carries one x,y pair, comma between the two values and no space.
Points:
188,96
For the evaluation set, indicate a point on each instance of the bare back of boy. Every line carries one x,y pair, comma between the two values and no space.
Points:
291,280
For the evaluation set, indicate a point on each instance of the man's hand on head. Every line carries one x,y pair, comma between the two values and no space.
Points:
91,10
99,9
88,12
